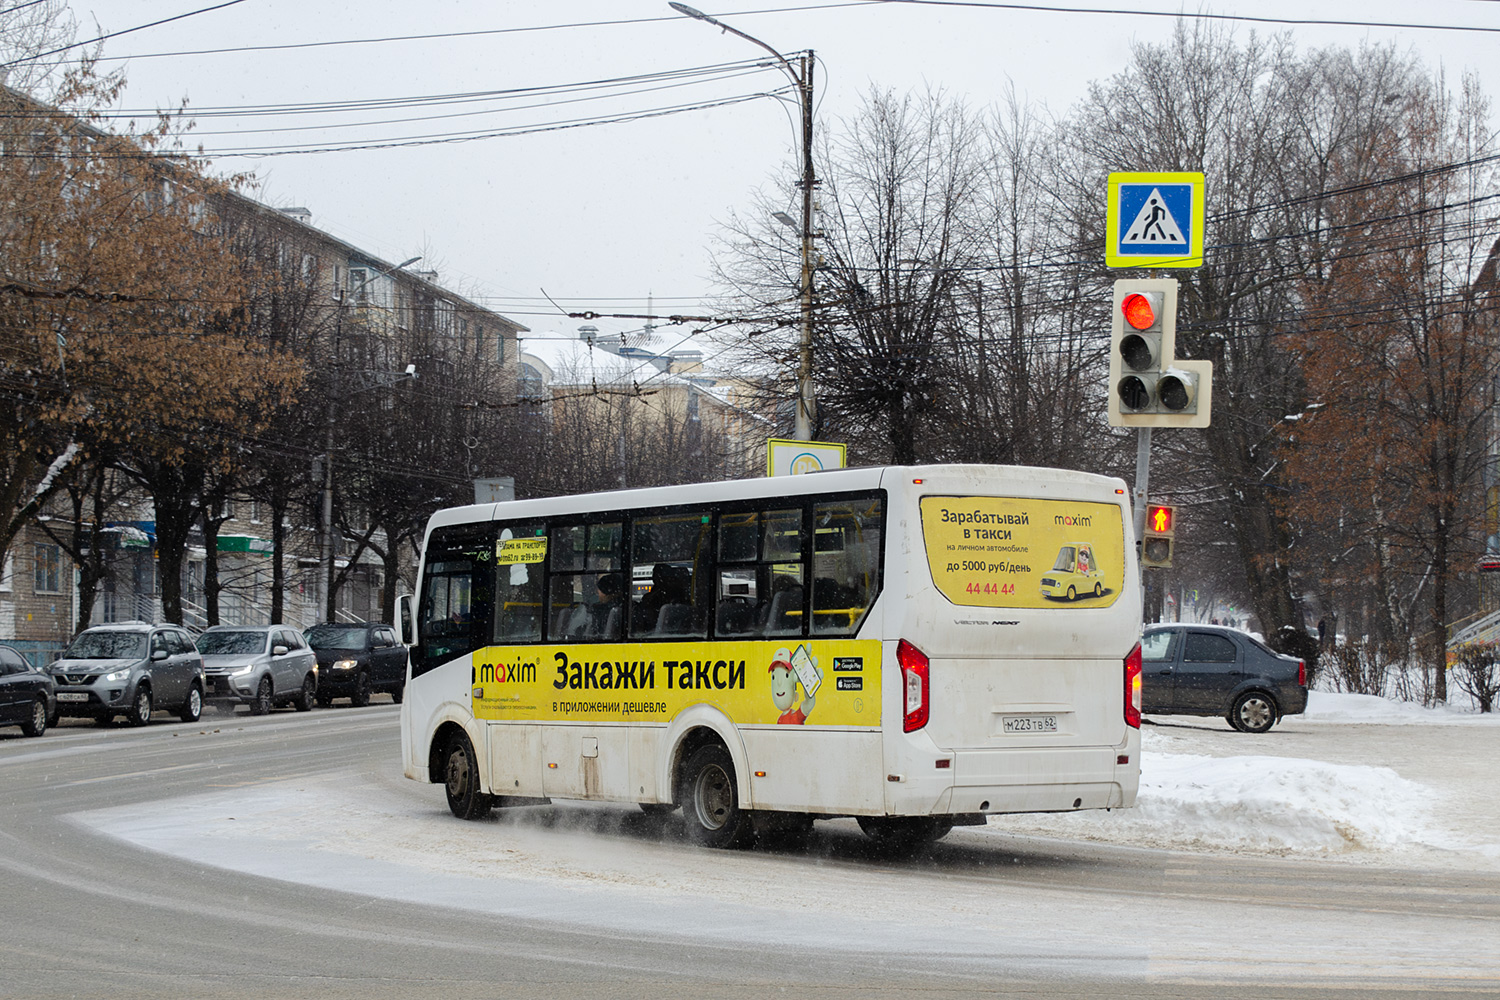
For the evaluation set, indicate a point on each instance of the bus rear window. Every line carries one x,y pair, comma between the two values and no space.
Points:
1011,552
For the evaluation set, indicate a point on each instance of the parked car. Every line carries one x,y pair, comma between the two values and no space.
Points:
128,669
262,666
357,659
28,696
1212,670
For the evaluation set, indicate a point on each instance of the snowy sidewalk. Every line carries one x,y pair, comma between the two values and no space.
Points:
1357,778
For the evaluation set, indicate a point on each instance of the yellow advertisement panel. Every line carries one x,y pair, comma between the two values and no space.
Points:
1007,552
791,682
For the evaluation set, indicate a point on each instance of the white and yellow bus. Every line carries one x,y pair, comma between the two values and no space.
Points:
869,642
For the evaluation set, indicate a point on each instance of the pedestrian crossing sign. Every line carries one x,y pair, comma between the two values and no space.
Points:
1155,220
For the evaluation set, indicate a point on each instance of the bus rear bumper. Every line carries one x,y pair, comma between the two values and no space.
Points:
1013,781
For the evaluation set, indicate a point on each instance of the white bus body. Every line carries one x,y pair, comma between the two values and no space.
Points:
943,676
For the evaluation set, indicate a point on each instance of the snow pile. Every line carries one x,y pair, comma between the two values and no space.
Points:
1327,706
1254,804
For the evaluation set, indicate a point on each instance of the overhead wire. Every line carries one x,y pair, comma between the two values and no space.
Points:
375,103
117,34
1198,15
483,32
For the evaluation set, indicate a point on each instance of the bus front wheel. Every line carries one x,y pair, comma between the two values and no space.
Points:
461,781
709,795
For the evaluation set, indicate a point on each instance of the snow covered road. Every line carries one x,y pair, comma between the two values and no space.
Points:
1226,850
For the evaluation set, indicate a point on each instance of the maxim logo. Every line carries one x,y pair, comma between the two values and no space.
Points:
1074,520
505,673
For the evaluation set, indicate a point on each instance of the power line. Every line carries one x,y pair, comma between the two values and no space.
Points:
117,34
381,103
1194,15
425,140
445,35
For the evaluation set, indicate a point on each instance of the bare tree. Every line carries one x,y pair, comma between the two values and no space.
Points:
30,35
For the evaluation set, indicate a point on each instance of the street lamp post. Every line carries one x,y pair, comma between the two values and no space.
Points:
806,403
338,336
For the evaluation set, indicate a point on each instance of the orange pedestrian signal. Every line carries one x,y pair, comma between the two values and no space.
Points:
1159,518
1156,546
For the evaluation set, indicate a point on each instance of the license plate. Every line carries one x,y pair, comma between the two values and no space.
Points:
1031,724
72,696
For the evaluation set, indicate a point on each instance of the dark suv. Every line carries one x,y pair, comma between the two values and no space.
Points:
356,659
128,669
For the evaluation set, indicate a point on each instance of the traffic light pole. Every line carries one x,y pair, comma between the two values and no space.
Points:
1142,483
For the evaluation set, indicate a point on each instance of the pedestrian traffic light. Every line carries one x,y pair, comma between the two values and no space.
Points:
1148,387
1161,528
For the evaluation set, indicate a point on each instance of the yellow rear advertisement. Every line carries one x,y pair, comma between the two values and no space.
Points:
1008,552
789,682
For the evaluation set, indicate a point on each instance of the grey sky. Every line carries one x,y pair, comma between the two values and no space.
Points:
602,216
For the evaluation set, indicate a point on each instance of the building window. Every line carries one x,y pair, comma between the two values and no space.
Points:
359,283
500,346
48,570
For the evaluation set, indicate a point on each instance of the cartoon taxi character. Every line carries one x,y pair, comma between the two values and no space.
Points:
1075,572
784,691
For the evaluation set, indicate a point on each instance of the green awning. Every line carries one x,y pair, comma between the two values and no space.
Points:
248,544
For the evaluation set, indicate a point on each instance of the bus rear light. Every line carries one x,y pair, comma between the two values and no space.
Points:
914,682
1133,688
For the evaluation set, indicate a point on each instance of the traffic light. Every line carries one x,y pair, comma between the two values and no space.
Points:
1161,528
1148,386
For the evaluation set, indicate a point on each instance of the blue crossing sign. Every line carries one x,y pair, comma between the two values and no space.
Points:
1155,220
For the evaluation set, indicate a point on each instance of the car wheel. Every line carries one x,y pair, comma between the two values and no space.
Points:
710,800
361,696
461,781
1098,590
905,833
324,699
1072,594
307,695
140,712
398,692
1253,712
192,709
37,724
262,703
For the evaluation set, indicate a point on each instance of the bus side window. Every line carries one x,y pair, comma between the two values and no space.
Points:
759,564
676,547
846,564
518,586
586,582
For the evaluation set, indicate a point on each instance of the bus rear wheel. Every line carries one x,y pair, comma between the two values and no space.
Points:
461,781
710,799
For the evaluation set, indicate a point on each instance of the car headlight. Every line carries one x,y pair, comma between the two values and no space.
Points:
345,664
241,672
116,677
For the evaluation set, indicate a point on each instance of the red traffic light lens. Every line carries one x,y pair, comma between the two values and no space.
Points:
1138,310
1159,519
